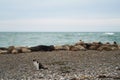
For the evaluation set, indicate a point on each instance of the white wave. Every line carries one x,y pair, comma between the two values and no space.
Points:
109,33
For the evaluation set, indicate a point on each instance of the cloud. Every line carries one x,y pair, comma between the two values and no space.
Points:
61,22
12,9
32,4
58,14
50,24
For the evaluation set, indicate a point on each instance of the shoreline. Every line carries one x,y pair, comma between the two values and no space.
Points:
78,46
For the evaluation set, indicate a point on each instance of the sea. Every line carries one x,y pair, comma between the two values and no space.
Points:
55,38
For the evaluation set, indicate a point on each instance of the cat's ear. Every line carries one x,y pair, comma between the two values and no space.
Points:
34,59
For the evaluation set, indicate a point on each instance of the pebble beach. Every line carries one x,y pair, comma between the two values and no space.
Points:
62,65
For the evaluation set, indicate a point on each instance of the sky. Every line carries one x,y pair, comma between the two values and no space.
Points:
60,15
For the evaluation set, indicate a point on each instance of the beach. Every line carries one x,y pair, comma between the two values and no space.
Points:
59,39
62,65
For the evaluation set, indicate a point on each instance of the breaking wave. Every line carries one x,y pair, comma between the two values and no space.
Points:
109,33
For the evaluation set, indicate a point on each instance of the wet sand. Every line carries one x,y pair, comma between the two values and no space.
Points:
62,65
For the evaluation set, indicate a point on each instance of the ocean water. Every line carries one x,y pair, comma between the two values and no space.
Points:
54,38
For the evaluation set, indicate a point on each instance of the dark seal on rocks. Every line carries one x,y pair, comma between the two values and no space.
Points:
42,48
3,48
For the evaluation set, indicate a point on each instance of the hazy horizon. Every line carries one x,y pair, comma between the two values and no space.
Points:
59,16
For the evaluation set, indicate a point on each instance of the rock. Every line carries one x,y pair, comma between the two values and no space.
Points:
80,42
77,48
106,48
3,51
116,77
104,76
95,45
14,51
115,44
118,46
63,47
25,50
87,45
66,47
117,68
101,76
10,49
19,49
114,48
42,48
107,44
74,79
59,48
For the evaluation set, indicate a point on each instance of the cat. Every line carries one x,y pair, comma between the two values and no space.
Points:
38,65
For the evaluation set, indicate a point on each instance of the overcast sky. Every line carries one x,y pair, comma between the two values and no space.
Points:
60,15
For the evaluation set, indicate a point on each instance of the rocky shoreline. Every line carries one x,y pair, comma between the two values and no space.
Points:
79,46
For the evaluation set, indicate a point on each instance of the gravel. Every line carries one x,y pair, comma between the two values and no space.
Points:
62,65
